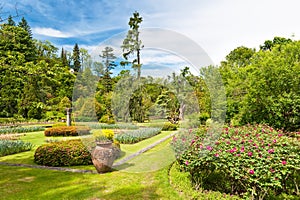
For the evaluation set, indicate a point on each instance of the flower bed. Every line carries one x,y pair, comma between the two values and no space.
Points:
252,161
8,147
134,136
21,129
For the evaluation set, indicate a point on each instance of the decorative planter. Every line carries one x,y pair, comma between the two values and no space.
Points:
103,156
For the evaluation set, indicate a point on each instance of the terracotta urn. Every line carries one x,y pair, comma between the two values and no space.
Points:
103,156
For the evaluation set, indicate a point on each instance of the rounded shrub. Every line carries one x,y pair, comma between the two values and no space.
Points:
63,153
168,126
67,131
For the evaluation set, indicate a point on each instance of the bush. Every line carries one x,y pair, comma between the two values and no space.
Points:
135,136
8,147
67,131
104,135
168,126
21,129
63,153
107,119
253,161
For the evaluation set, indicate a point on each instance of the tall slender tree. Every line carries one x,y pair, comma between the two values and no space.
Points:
132,44
76,58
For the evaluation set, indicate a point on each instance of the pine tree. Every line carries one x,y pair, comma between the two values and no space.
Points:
10,21
23,24
76,58
63,57
109,64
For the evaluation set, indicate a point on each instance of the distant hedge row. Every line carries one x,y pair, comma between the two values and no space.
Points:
67,131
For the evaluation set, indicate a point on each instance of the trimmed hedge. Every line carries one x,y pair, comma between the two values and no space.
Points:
67,131
63,153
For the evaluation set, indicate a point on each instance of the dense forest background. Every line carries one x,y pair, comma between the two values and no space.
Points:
37,79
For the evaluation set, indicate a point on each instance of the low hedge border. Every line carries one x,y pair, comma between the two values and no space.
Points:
67,131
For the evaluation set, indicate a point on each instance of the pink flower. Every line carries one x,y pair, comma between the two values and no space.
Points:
190,130
242,149
271,151
250,153
274,141
217,155
187,162
226,129
251,171
272,170
279,135
193,141
228,142
283,162
238,155
209,148
250,141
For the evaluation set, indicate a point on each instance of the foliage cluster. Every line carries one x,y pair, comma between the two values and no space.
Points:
8,147
63,153
103,135
134,136
263,86
252,161
20,129
67,131
168,126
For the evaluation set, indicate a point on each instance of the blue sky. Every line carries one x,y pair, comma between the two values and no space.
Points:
218,26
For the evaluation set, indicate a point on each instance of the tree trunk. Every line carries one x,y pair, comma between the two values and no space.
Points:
181,111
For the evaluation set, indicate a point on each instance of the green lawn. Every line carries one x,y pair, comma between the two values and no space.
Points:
27,183
151,181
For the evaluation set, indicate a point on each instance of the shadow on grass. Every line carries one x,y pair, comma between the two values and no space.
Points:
28,183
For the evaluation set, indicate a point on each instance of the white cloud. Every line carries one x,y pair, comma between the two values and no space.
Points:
51,32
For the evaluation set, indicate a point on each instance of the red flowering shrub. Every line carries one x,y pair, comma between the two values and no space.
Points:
67,131
252,161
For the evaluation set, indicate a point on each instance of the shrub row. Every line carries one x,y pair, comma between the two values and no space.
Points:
63,153
21,129
8,147
134,136
67,131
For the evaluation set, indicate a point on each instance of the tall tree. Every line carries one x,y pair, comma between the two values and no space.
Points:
10,21
109,64
76,58
132,44
63,57
23,24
